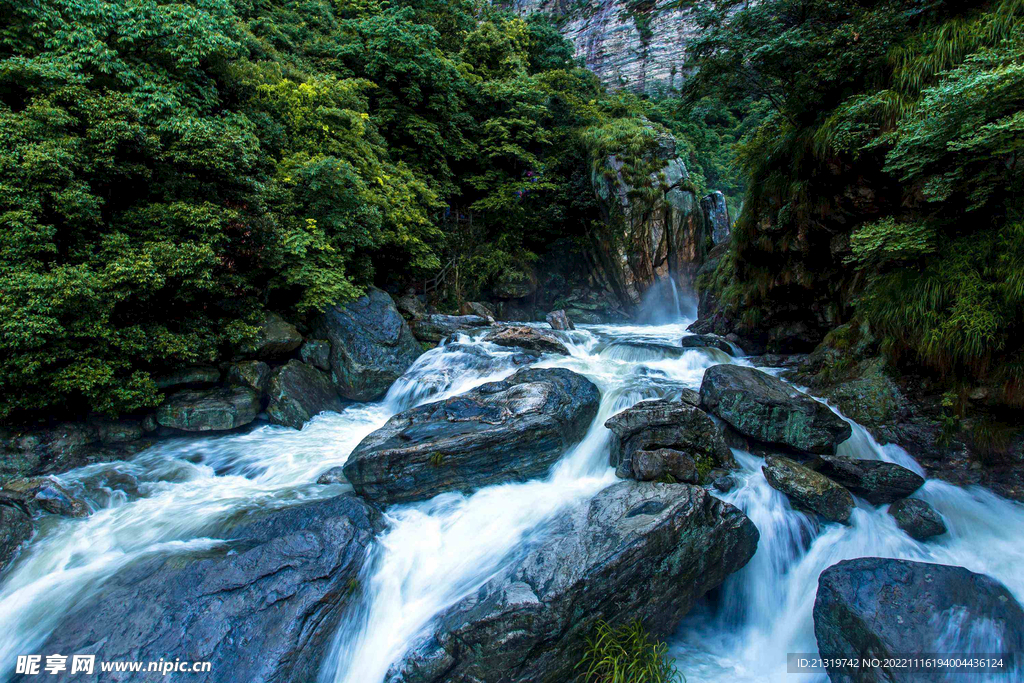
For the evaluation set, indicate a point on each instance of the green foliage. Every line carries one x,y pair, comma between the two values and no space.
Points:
625,654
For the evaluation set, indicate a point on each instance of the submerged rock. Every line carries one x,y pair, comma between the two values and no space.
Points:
434,328
809,490
876,481
261,607
767,409
43,494
635,551
663,423
207,410
917,518
708,341
371,345
277,337
298,392
883,608
512,430
559,320
529,338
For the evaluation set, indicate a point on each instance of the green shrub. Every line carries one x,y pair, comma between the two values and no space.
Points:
625,654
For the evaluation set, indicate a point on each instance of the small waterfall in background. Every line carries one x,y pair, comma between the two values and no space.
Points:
665,302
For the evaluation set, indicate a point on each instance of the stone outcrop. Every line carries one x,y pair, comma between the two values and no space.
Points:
263,607
559,320
707,341
206,410
528,338
635,551
435,327
371,345
808,490
767,409
664,424
15,529
917,518
249,373
512,430
876,481
299,391
316,352
277,337
43,494
716,214
882,608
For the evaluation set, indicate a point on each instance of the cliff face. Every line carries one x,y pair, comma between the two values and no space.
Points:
635,44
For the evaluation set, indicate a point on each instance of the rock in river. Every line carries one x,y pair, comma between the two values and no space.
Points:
707,341
637,550
371,346
529,338
809,490
262,607
559,320
205,410
876,481
15,529
43,494
917,518
298,392
511,430
433,328
767,409
883,608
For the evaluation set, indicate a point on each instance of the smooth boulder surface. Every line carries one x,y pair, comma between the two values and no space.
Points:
262,607
917,518
529,338
277,337
433,328
208,410
15,529
664,423
665,464
299,391
637,550
371,345
249,373
876,481
882,608
707,341
767,409
512,430
808,490
559,320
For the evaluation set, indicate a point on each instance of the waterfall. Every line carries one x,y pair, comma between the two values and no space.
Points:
181,495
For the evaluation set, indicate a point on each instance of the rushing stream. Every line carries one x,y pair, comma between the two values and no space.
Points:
180,494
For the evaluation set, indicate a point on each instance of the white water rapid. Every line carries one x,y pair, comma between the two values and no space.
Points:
180,494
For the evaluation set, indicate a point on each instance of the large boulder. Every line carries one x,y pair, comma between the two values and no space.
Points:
317,353
664,423
15,529
277,337
767,409
263,607
917,518
299,391
637,550
809,490
43,494
249,373
707,341
477,308
371,346
529,338
876,481
433,328
207,410
882,608
512,430
559,320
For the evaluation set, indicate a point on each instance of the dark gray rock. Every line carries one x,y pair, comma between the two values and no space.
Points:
277,337
43,494
261,608
809,490
767,409
249,373
917,518
707,341
204,410
637,550
664,423
665,465
67,445
316,352
15,529
724,483
883,608
335,475
528,338
298,392
716,215
434,328
512,430
188,378
411,307
477,308
371,346
559,320
875,481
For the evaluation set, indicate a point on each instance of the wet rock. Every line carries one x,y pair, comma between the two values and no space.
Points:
67,445
882,608
298,392
765,408
15,529
262,607
512,430
875,481
411,307
724,483
188,378
316,352
716,214
637,550
664,423
808,490
436,327
709,341
559,320
528,338
917,518
371,346
121,431
277,337
335,475
43,494
477,308
205,410
666,465
777,360
249,373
